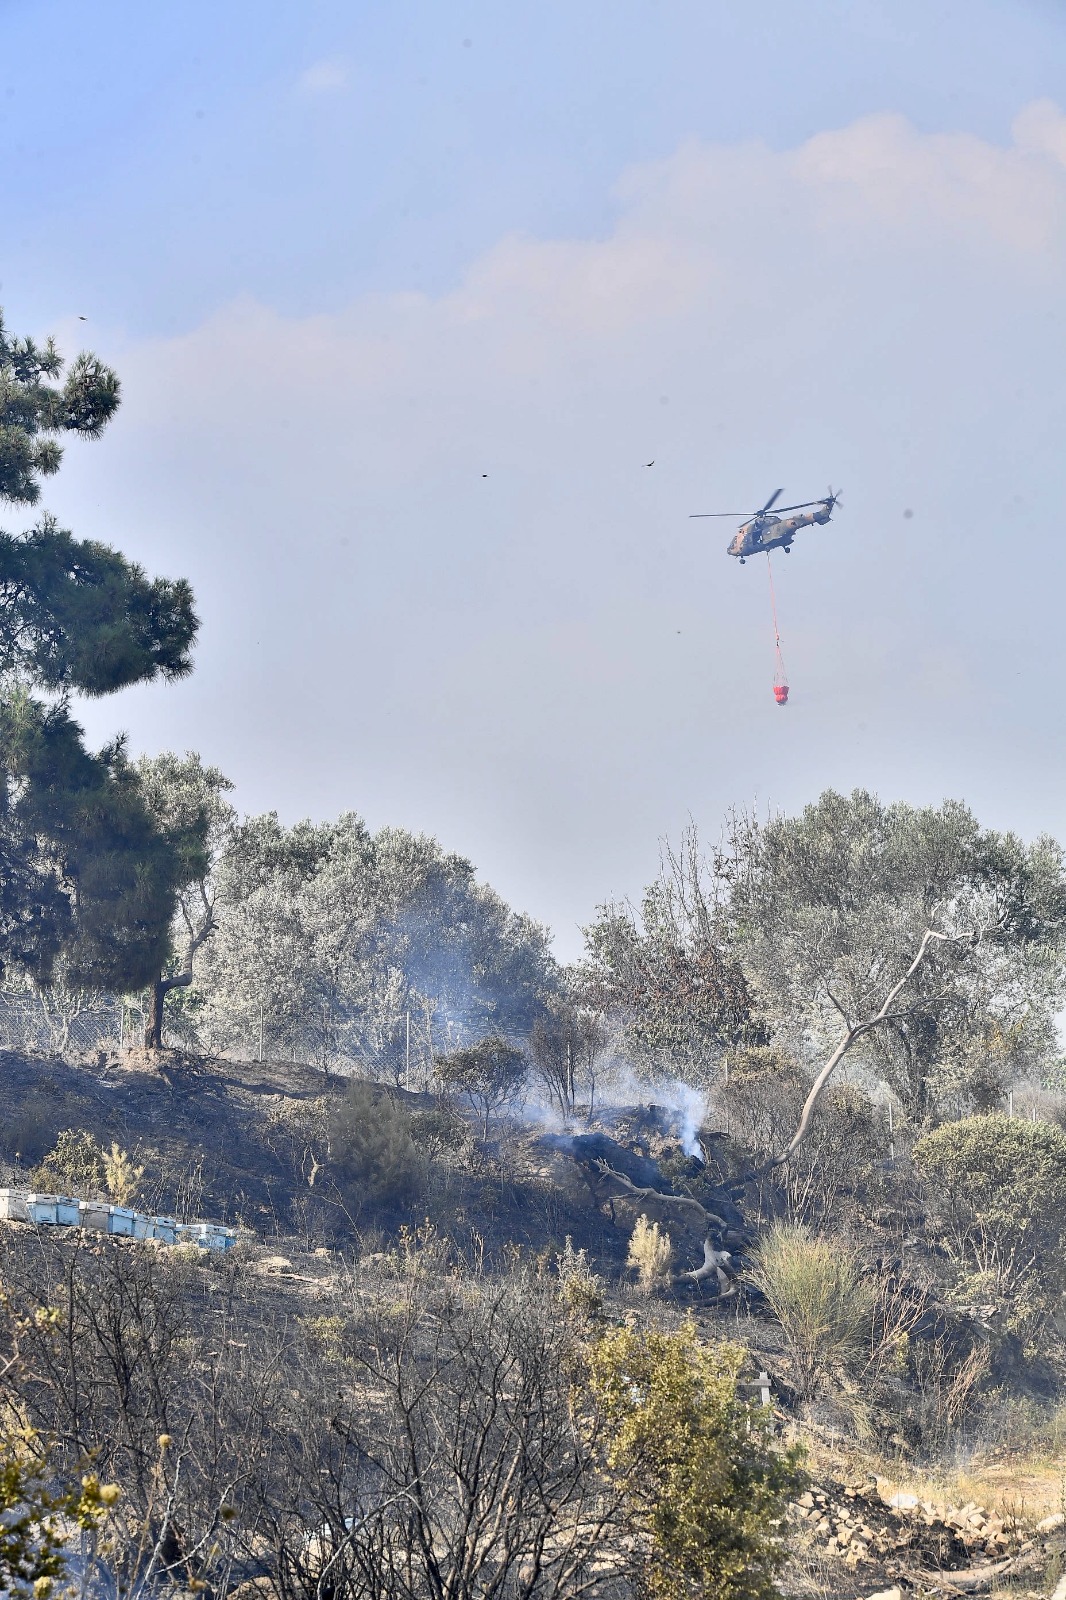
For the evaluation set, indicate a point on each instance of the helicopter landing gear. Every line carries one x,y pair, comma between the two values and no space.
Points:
742,560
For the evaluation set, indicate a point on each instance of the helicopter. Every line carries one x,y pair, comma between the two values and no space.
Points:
762,530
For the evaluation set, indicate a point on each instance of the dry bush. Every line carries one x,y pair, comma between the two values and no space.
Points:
581,1288
837,1166
447,1426
107,1352
650,1252
122,1178
816,1289
370,1145
950,1383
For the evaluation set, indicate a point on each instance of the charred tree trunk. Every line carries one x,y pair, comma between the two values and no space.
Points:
153,1033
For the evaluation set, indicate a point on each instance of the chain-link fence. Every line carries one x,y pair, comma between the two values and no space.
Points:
55,1022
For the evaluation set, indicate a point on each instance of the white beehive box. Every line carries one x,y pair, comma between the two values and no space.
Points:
207,1235
216,1237
142,1225
13,1205
120,1220
41,1208
94,1214
67,1213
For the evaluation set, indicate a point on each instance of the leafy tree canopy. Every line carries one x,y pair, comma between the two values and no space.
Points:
351,943
668,976
97,878
487,1073
801,929
826,912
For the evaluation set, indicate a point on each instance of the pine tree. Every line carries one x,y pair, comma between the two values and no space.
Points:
85,874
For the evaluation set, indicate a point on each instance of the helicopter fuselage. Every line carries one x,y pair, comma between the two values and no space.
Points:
768,532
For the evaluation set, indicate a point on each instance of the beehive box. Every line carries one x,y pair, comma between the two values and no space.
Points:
67,1213
164,1229
120,1220
13,1205
94,1214
41,1208
207,1235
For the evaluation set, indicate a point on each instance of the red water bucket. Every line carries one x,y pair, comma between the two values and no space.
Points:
781,693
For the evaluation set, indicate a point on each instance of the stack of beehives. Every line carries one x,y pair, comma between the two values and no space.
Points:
98,1216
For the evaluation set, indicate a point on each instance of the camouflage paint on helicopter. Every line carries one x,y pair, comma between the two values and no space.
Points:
763,531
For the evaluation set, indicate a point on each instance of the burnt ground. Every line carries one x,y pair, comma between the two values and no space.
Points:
243,1143
247,1144
197,1127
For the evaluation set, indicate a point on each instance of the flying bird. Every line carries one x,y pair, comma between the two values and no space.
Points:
649,463
82,319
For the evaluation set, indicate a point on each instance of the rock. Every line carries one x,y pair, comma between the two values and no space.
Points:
275,1265
895,1593
1050,1524
902,1501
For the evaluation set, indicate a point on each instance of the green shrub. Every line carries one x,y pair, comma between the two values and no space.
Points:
703,1482
75,1166
997,1192
39,1521
370,1144
122,1178
816,1290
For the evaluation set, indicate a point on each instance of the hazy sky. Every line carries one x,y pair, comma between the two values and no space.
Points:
350,258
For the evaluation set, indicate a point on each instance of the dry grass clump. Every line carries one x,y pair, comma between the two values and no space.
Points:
815,1288
650,1252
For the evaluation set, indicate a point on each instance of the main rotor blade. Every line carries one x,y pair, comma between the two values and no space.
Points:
722,514
773,497
804,505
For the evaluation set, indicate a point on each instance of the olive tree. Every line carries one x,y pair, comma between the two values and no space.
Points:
382,948
487,1074
665,976
187,801
902,932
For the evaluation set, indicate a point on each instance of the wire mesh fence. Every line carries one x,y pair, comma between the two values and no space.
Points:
58,1022
77,1023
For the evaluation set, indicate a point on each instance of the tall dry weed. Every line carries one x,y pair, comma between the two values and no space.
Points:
816,1289
650,1252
